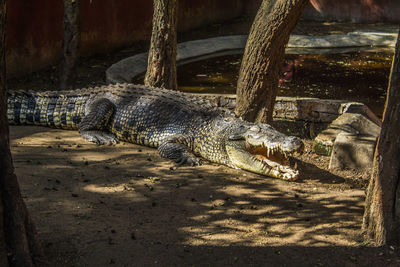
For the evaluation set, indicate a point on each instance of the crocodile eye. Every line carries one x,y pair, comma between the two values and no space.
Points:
255,128
234,137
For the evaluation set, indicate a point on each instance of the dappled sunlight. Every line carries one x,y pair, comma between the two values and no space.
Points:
105,189
127,194
44,137
274,218
274,226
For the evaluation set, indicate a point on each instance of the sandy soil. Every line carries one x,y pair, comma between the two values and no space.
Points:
125,206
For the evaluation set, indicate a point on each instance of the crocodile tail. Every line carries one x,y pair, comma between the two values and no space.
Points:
50,109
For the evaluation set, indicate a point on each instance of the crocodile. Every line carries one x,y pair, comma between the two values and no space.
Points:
183,127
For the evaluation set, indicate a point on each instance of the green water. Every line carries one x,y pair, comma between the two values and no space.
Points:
360,76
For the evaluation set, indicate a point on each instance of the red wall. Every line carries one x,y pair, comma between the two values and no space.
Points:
34,32
123,22
34,29
107,25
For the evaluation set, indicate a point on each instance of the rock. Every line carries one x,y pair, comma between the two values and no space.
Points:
353,151
359,108
351,123
323,143
355,123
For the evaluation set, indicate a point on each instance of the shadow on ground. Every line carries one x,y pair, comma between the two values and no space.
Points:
124,205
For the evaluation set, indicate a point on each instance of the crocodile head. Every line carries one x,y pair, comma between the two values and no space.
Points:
259,148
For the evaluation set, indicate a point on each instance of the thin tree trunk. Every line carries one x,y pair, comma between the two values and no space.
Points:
71,44
263,58
381,222
161,66
19,244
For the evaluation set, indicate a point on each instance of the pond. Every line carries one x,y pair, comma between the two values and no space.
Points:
357,76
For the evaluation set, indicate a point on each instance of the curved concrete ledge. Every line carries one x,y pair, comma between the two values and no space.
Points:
352,39
128,69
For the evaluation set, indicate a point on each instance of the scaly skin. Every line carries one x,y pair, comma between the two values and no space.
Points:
180,126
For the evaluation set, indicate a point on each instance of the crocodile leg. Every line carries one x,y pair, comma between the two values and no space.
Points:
93,126
176,148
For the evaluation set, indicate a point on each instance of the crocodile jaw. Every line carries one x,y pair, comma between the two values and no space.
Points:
275,165
263,150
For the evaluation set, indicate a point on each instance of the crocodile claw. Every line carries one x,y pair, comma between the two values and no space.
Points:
189,160
99,137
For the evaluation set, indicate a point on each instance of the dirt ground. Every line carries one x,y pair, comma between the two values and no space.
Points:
123,205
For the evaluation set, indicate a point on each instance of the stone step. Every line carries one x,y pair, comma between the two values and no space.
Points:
353,151
352,123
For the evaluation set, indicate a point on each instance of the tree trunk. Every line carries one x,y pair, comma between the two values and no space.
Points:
71,44
381,222
263,58
19,245
161,64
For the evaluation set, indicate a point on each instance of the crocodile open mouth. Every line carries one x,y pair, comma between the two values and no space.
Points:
279,161
274,161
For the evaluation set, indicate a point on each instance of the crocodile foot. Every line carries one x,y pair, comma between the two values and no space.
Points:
177,152
187,159
99,137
